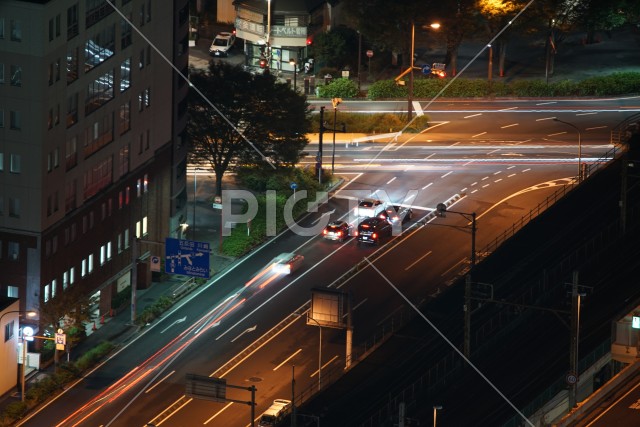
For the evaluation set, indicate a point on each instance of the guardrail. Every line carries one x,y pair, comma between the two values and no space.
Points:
369,138
545,204
180,289
619,132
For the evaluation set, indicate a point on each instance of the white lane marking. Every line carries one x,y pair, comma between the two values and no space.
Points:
391,180
219,412
545,118
508,126
497,173
493,151
454,266
498,180
473,115
486,185
246,331
448,173
547,103
478,134
468,163
323,366
526,170
428,185
586,114
418,260
557,133
463,190
287,359
474,183
513,174
159,382
473,191
597,127
510,167
455,143
510,108
486,177
430,156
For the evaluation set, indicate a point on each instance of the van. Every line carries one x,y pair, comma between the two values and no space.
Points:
275,414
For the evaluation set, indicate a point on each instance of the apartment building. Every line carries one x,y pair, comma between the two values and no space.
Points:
91,151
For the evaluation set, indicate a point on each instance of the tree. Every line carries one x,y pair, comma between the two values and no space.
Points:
336,48
256,120
597,15
67,310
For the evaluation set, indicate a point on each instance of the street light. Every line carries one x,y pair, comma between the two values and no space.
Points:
295,73
436,408
268,37
195,189
579,146
435,26
319,352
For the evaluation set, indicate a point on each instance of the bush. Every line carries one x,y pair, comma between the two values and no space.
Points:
155,310
93,356
613,84
339,88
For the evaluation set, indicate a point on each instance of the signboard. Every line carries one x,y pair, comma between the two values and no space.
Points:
369,53
155,264
426,69
635,322
203,387
187,257
61,340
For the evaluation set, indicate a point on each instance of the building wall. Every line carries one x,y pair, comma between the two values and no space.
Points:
87,176
9,347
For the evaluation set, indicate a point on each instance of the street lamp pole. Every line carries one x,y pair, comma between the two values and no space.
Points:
579,146
436,408
410,91
295,73
195,190
319,353
268,34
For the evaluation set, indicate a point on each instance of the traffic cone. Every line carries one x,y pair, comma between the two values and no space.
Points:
111,312
102,319
94,328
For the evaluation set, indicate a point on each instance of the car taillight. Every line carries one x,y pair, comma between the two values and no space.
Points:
339,233
374,235
355,233
324,231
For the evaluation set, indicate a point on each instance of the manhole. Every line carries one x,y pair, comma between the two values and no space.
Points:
255,379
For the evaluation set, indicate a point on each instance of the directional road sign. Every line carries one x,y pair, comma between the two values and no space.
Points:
187,257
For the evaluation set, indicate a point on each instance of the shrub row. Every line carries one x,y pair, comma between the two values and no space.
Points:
613,84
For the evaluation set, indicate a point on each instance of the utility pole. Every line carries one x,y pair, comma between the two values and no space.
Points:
293,396
466,350
575,340
319,155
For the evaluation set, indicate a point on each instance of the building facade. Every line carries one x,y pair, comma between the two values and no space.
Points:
91,154
286,27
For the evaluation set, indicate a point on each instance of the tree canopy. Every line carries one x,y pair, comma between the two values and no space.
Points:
256,120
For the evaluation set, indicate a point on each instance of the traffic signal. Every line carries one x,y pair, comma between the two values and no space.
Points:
263,63
309,41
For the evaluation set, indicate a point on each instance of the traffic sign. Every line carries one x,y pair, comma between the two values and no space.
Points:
369,53
571,378
426,69
187,257
293,186
61,340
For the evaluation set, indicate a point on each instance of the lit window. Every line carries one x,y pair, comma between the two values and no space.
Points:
146,183
54,283
83,268
103,254
90,263
119,243
109,250
65,280
144,226
47,290
138,229
72,275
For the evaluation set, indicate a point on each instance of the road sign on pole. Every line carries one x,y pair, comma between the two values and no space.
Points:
187,257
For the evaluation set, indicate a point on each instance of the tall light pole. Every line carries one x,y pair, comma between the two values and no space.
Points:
579,146
268,37
435,26
335,102
575,341
195,190
410,97
319,352
295,73
436,408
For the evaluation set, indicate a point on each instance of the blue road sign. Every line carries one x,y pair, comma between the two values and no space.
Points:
187,257
426,69
293,186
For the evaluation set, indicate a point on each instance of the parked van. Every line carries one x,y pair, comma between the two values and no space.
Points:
275,414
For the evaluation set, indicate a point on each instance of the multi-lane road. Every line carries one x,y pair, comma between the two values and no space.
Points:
248,325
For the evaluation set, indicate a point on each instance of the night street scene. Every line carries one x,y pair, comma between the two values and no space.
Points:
251,213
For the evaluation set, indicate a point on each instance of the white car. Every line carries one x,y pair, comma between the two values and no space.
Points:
222,44
287,263
368,208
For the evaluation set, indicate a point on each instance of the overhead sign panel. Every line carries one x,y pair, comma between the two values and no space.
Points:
187,257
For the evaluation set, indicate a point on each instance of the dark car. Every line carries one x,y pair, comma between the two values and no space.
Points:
337,230
397,214
372,230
